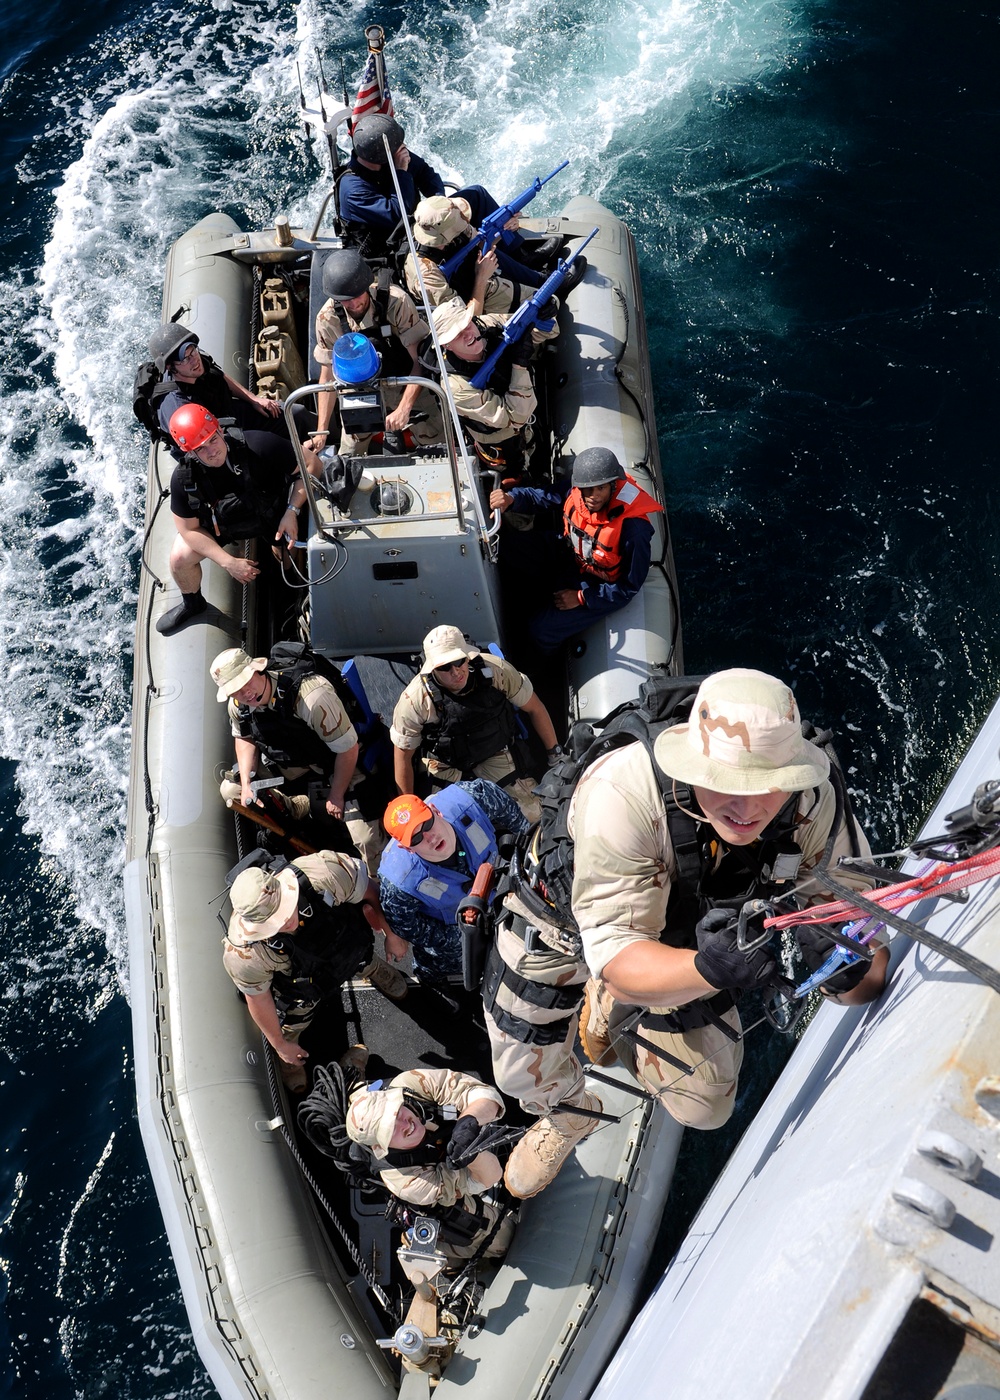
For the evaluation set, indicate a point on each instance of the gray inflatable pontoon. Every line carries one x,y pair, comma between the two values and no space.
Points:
275,1289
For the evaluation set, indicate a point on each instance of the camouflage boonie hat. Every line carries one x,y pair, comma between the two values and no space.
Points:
371,1117
744,737
451,318
438,220
263,901
446,643
231,670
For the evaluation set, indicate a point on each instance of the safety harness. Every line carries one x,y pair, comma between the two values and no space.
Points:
247,511
709,874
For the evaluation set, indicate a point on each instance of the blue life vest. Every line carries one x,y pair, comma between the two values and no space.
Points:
440,887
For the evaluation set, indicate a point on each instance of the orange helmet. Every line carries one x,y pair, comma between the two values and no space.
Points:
191,426
404,815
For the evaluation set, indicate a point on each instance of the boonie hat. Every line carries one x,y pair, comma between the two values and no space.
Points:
444,644
231,670
744,736
450,319
438,220
263,901
403,815
371,1117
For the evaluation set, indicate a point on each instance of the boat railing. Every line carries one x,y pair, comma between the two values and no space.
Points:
489,526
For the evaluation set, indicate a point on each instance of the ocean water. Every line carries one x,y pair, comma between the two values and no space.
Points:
812,187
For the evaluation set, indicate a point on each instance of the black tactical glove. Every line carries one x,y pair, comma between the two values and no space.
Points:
815,947
465,1131
719,960
521,352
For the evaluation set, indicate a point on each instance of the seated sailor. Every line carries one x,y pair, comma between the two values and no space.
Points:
488,282
607,527
298,720
185,374
429,865
496,418
369,208
224,491
460,710
360,301
420,1129
297,932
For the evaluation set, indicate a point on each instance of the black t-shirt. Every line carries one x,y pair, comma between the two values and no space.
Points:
258,479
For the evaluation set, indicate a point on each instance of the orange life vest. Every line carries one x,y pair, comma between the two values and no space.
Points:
596,537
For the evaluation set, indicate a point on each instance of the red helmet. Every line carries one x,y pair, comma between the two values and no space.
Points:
191,426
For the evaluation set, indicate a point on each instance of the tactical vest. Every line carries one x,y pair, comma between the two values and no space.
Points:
287,740
472,726
438,887
332,943
250,511
396,359
596,538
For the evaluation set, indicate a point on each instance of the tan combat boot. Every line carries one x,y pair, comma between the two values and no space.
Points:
539,1155
389,980
595,1031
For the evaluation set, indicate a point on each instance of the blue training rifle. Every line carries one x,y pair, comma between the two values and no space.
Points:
529,314
493,225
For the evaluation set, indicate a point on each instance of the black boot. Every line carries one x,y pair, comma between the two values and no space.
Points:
573,278
191,605
540,253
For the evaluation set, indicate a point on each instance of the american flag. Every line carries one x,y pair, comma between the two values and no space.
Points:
369,99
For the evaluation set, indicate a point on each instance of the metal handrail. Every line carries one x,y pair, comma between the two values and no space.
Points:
356,523
489,533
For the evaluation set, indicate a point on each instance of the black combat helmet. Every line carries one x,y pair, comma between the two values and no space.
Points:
595,466
368,134
346,275
166,341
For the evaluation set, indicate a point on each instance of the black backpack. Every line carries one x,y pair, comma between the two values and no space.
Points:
293,661
663,700
147,387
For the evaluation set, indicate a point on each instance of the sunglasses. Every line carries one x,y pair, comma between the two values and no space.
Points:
451,666
185,351
420,832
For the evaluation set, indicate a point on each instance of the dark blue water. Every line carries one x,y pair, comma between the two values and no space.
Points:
812,189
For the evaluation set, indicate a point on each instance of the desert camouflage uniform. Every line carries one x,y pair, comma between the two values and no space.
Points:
501,294
441,1185
539,1076
252,964
625,866
319,705
406,323
503,416
415,709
